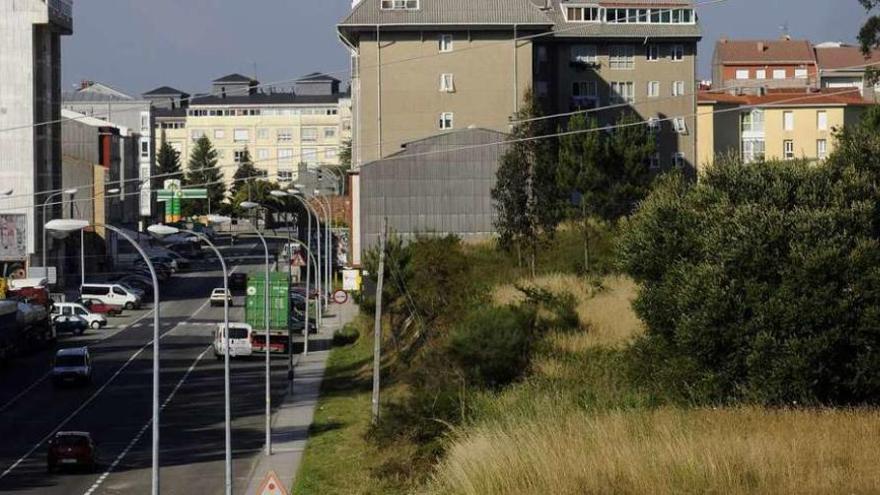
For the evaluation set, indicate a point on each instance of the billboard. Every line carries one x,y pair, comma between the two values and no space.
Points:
13,237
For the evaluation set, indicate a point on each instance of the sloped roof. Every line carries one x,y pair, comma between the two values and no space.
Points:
87,96
266,99
564,29
844,57
317,76
789,97
463,12
764,51
165,91
231,78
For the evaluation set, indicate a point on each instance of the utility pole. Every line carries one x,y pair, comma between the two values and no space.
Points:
377,325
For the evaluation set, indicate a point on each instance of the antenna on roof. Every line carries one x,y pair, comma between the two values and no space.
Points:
785,31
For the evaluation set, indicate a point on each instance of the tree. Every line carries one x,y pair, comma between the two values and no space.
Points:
167,165
345,155
525,194
628,171
204,173
246,174
869,38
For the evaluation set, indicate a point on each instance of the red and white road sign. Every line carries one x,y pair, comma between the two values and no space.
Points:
340,297
272,485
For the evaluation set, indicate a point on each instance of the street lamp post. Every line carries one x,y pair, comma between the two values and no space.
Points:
311,211
65,227
69,192
327,209
82,239
166,230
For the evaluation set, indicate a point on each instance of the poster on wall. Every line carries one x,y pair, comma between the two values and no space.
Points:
13,237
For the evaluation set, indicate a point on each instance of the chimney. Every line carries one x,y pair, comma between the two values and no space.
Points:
85,83
762,47
786,37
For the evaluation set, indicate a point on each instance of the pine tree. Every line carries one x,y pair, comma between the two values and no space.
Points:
246,174
630,148
167,165
204,173
869,39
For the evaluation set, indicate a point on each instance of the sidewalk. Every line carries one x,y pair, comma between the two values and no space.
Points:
291,421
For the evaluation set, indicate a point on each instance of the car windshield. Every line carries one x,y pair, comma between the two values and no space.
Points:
70,361
71,441
238,333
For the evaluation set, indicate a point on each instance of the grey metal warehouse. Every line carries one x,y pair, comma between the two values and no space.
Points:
438,185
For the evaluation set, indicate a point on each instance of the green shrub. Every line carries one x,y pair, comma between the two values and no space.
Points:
346,335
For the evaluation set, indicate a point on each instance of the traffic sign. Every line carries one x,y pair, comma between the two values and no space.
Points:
272,485
340,297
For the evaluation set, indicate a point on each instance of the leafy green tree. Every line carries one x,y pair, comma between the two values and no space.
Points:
167,165
203,170
246,174
627,169
869,37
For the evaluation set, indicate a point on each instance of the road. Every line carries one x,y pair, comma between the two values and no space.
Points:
116,408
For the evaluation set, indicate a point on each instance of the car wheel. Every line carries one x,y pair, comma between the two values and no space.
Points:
96,325
129,306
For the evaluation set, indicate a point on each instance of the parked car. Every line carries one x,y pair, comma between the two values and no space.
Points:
240,335
163,271
72,365
166,260
138,283
182,261
237,281
70,324
191,250
96,306
95,320
218,296
297,323
72,449
113,294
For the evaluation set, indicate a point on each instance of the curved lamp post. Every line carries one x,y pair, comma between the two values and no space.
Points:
327,209
70,192
64,228
166,230
310,210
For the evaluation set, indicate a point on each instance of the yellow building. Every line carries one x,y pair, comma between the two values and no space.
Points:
774,125
280,130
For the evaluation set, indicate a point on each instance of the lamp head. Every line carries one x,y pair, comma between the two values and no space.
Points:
219,219
115,190
249,205
162,230
279,194
63,228
70,192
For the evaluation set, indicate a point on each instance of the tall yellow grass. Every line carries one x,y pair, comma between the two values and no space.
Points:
667,451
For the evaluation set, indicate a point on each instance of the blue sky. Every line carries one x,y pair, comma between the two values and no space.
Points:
137,45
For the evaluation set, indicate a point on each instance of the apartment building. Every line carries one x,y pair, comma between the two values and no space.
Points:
780,124
30,42
280,130
844,66
782,63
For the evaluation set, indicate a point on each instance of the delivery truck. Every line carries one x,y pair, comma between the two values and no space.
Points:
279,312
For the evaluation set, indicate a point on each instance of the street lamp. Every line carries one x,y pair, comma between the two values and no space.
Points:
166,230
328,215
70,192
82,240
63,228
294,193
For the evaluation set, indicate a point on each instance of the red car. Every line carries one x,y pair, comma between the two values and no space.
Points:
96,306
72,448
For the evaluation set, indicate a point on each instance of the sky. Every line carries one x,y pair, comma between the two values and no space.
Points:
138,45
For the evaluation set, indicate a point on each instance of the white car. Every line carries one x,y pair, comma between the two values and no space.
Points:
240,335
218,296
94,320
72,366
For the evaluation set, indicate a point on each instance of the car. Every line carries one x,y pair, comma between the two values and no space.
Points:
182,261
189,249
237,281
72,449
220,295
138,283
297,324
72,365
95,320
70,324
96,306
240,336
113,294
163,271
166,260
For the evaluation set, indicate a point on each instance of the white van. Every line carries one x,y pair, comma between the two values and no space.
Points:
239,340
94,320
112,294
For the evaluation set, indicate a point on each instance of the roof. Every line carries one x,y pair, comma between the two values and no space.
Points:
234,78
161,113
87,96
317,76
844,57
564,29
789,97
462,12
165,91
267,99
70,115
764,51
456,140
101,88
72,351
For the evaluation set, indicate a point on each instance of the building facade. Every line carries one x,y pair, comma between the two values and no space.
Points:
30,109
844,66
745,64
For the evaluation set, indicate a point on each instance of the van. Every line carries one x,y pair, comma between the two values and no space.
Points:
240,335
72,365
94,320
112,294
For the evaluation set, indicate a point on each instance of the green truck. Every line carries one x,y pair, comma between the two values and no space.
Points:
279,311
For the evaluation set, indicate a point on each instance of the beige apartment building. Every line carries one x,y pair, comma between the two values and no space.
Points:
279,130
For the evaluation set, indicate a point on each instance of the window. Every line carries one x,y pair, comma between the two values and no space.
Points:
582,14
584,88
622,92
788,149
678,159
310,155
285,175
400,4
542,54
679,124
742,73
584,54
241,135
753,150
753,121
800,73
309,134
446,43
447,83
778,73
653,89
821,149
621,57
262,154
330,155
197,134
822,120
677,53
239,156
678,88
654,161
219,134
788,121
761,74
446,120
263,133
285,135
285,155
329,132
653,53
145,148
145,121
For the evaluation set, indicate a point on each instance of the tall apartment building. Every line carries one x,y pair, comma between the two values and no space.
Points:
30,94
280,130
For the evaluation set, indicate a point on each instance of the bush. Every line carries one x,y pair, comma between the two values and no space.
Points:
346,335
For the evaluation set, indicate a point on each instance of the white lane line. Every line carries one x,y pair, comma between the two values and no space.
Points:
146,427
43,378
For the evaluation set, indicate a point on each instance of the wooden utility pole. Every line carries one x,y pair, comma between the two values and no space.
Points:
377,325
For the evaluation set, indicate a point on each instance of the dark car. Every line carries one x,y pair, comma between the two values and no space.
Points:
297,324
96,306
72,449
70,324
238,281
138,282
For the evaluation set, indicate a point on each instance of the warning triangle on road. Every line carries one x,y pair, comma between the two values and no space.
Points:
272,485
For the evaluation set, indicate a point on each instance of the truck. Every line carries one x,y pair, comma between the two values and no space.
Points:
24,327
279,312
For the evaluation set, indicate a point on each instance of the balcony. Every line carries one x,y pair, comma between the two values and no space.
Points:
61,14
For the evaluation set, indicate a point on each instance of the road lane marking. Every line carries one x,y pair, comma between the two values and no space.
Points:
146,427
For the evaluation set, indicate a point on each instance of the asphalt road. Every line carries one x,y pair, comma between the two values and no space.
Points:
116,408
